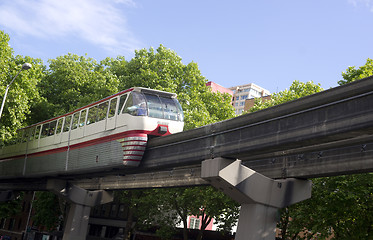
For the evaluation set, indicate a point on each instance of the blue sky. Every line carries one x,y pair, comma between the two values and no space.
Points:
270,43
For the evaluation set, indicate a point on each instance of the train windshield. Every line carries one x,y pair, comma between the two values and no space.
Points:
139,104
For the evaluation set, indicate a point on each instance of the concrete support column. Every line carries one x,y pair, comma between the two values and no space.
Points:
260,197
81,202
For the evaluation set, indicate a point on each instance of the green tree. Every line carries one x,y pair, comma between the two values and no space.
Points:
340,208
173,206
22,94
353,74
296,90
11,207
74,81
47,208
212,205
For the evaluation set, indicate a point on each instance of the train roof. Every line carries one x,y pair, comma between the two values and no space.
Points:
156,92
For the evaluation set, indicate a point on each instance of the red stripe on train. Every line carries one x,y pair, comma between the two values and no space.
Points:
82,144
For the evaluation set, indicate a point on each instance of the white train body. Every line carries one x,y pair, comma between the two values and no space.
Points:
109,134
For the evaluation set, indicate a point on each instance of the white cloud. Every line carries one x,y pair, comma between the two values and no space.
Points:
367,3
101,22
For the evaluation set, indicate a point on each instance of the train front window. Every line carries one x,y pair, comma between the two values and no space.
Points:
154,106
144,104
136,105
169,108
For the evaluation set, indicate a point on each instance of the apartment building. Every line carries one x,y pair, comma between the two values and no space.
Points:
247,91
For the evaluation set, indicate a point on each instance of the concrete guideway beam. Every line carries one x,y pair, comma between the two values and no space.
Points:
260,197
81,202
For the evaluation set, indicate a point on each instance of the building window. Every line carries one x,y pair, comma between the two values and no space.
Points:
255,93
242,104
243,97
194,223
121,212
103,210
114,210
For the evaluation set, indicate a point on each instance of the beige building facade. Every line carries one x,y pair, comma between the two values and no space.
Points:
243,92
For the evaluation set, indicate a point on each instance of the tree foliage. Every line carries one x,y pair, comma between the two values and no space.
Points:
73,81
351,74
167,208
340,208
47,210
296,90
11,207
23,92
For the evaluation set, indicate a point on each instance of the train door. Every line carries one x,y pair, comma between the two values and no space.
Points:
111,116
124,100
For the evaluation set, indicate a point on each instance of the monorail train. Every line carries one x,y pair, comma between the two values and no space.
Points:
108,134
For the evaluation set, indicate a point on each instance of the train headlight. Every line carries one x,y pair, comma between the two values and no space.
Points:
162,129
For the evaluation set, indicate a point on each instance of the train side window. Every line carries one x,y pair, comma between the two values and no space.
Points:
122,100
66,126
112,107
44,130
179,109
102,111
37,131
75,121
24,135
59,125
92,115
82,117
18,138
32,133
52,127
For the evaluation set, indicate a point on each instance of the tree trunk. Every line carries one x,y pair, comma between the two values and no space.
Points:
128,228
200,234
185,230
205,222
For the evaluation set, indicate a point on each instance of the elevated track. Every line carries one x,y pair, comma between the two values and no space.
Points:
325,134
